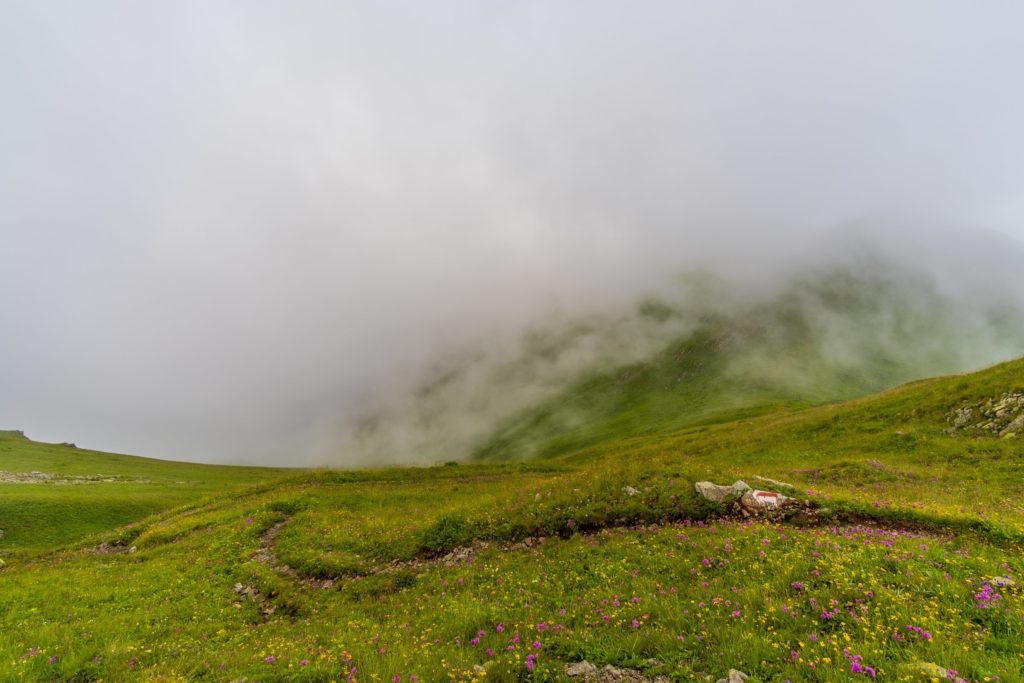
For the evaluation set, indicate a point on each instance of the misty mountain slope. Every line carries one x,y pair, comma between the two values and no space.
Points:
827,336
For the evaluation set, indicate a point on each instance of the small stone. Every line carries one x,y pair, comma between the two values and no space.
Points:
737,676
629,491
583,668
479,670
1002,582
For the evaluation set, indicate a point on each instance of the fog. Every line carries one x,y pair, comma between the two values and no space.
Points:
231,229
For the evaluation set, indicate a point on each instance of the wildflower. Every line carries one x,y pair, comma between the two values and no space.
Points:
269,659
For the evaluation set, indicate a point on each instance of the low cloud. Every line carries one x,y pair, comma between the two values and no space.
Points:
228,227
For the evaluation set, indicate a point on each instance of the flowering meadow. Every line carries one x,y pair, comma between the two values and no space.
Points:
910,568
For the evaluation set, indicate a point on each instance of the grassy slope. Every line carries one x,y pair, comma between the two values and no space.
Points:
41,516
830,339
778,602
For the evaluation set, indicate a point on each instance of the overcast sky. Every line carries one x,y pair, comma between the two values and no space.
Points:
220,219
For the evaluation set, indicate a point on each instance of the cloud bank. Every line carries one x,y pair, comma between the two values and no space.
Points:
227,223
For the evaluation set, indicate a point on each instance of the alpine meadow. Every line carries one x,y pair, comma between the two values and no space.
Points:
574,342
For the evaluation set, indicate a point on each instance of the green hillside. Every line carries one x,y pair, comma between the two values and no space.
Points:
822,339
77,492
902,562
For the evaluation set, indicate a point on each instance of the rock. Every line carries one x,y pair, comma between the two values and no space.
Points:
756,501
583,668
479,670
999,417
629,491
735,676
1002,582
612,674
717,493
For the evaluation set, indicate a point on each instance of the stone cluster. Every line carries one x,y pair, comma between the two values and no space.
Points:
1003,417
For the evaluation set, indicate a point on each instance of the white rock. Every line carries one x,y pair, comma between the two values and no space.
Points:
583,668
717,493
756,500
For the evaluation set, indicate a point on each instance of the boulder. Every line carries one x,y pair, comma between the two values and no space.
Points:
734,677
756,501
717,493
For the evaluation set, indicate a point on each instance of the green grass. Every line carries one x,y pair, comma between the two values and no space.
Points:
633,566
36,517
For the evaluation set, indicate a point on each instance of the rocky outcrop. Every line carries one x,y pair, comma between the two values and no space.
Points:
1002,417
587,672
47,478
747,502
